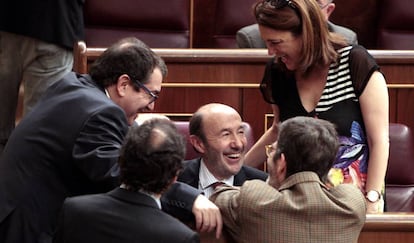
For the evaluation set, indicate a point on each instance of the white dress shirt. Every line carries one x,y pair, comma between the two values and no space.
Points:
206,180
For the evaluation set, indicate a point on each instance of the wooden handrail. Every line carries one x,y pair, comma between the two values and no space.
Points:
390,221
251,85
250,55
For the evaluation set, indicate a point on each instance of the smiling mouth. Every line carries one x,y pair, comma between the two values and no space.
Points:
280,58
234,156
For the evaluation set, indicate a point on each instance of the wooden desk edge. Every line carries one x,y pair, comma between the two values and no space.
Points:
389,221
242,55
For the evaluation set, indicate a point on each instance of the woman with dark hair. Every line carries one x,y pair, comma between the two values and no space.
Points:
315,73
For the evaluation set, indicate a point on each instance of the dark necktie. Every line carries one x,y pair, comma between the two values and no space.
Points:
217,184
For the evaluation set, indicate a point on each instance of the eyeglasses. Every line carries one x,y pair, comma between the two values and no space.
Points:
269,149
278,4
154,97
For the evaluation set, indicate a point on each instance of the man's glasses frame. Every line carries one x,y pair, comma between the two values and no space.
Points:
269,149
154,97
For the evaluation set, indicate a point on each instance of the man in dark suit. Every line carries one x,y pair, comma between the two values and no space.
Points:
69,144
217,133
249,36
150,160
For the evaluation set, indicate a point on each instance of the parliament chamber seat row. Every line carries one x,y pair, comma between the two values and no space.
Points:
379,24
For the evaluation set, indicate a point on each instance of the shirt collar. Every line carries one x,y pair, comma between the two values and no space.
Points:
206,178
107,93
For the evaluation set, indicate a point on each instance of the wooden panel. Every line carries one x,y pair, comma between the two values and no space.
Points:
392,93
386,237
213,72
388,227
254,110
404,106
189,99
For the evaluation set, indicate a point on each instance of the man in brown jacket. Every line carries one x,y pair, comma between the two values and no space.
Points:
295,205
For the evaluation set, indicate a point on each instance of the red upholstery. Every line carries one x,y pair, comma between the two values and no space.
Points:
396,25
359,16
228,21
216,22
400,173
182,127
160,24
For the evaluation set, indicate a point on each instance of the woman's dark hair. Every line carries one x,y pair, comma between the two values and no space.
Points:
302,18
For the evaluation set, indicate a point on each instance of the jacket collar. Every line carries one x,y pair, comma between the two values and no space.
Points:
301,177
133,197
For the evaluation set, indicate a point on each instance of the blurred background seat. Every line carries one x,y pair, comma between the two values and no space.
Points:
217,21
396,25
399,180
160,23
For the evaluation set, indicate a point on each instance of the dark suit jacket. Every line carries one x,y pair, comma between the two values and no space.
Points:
119,216
67,145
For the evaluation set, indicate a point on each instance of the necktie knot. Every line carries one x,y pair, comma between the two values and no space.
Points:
216,184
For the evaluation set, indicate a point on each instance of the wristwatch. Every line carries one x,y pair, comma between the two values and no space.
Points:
373,196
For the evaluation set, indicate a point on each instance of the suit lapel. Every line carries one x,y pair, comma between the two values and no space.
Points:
190,174
240,177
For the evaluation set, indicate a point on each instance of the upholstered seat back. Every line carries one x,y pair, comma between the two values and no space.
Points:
400,174
401,158
396,25
183,128
160,23
217,21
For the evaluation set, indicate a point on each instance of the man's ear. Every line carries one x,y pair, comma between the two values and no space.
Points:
197,144
281,166
122,84
329,9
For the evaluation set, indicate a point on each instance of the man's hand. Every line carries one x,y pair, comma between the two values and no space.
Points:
207,216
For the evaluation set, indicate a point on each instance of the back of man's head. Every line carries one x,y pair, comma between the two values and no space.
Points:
151,156
127,56
308,144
